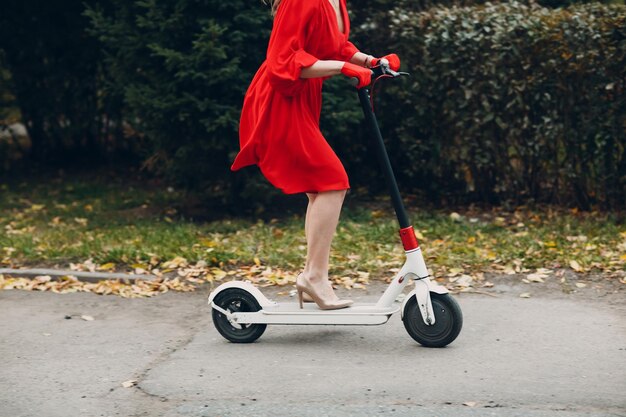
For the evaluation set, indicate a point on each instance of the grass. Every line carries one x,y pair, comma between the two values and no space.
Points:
120,226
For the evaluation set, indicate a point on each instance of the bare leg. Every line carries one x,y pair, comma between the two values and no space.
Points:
308,213
320,224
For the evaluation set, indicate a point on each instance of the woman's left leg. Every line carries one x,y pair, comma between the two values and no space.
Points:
320,225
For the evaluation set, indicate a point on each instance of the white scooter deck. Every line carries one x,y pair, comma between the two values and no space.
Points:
291,313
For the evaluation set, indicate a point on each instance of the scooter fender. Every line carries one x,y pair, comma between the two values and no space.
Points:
246,286
423,288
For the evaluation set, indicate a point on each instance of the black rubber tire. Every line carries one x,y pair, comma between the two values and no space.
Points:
448,321
236,299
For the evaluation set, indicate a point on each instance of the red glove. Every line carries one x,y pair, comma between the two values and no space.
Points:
364,75
394,61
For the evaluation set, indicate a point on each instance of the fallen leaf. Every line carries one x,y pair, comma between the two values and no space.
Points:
177,262
575,266
536,277
524,295
81,221
107,266
130,383
87,318
455,271
581,284
470,403
464,281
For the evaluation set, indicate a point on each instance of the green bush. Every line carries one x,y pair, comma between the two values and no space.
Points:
505,101
512,101
182,68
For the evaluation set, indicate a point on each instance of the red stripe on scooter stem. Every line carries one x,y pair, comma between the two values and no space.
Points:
409,240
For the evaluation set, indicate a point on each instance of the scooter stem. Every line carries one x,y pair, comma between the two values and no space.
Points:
383,158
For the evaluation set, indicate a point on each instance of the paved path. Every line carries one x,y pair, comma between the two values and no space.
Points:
549,355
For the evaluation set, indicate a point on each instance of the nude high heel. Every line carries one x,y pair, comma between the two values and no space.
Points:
304,287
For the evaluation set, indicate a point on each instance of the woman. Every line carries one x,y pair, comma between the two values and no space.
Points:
279,128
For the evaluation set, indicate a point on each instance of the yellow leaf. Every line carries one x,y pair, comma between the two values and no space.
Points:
471,240
455,271
208,243
107,266
257,261
218,273
177,262
623,257
575,266
550,244
37,207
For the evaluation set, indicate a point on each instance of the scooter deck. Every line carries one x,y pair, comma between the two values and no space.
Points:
291,313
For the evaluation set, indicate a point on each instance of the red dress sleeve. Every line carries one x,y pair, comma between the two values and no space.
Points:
286,54
348,51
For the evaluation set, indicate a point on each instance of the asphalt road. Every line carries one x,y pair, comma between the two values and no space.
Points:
553,354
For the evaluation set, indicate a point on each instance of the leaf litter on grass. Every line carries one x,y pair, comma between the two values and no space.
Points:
460,248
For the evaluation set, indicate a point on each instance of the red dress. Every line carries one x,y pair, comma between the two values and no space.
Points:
279,127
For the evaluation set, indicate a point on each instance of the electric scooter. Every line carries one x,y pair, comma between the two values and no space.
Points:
430,315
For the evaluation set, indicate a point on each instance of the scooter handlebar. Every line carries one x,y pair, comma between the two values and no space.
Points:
383,69
379,71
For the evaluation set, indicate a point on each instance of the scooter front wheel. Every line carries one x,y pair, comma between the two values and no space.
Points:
237,300
448,321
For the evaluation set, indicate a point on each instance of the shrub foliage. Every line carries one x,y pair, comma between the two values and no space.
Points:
515,101
505,101
182,68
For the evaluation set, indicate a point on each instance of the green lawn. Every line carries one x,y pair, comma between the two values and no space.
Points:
111,225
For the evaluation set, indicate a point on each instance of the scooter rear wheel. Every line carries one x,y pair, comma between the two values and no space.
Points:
237,300
448,321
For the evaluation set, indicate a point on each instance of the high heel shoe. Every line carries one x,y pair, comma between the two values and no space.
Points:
304,287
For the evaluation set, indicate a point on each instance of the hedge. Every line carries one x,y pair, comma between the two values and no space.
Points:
511,101
505,102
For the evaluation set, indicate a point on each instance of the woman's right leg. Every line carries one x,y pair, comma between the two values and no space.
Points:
321,223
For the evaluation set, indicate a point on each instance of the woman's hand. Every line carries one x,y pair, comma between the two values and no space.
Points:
364,75
393,59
